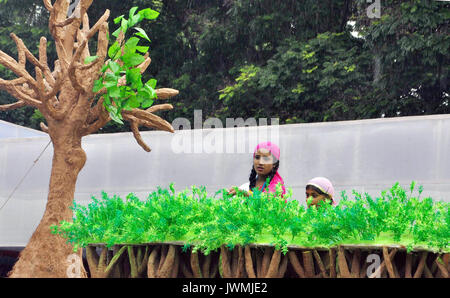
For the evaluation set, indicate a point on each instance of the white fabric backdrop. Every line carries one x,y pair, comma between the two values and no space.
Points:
366,155
11,130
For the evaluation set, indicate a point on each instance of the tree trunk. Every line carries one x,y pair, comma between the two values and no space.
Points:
46,254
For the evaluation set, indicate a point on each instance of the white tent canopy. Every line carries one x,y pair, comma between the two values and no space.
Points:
11,130
365,155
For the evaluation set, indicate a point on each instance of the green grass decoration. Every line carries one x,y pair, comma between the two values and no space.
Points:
205,223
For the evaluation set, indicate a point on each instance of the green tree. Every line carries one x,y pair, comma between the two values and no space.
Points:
401,60
322,79
28,20
411,45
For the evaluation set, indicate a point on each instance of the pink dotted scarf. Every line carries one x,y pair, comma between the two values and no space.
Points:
275,150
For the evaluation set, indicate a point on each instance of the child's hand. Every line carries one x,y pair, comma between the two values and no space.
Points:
232,191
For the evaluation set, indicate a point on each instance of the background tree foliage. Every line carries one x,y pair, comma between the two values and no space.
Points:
294,59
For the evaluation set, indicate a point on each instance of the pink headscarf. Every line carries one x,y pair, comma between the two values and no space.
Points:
324,185
275,150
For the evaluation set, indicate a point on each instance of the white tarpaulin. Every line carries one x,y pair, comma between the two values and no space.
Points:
366,155
11,130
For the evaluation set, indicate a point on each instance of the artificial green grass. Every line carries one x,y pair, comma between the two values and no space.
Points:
395,218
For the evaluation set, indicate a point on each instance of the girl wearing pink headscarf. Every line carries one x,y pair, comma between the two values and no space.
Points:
266,160
318,190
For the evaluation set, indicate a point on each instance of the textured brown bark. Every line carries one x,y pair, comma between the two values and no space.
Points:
259,257
408,265
381,270
142,260
363,271
239,270
164,250
214,268
138,263
185,270
320,263
206,265
283,266
421,265
152,265
64,96
169,260
226,270
274,264
388,262
332,254
126,270
394,266
427,271
441,266
356,263
234,261
117,270
296,264
446,260
176,265
342,261
195,265
133,262
268,252
46,254
434,269
249,263
100,266
308,263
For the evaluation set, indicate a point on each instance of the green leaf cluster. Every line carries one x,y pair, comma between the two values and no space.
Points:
125,57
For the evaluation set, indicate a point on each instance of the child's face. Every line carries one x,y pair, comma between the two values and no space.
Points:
317,198
263,162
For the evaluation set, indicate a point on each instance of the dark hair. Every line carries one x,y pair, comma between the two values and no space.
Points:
316,189
252,177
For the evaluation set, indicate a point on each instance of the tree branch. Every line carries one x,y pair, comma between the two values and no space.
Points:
94,112
135,129
21,57
147,119
18,81
41,67
21,46
143,66
43,60
97,26
101,120
48,5
166,93
18,69
65,22
40,82
138,117
12,106
44,127
161,107
76,63
64,30
14,91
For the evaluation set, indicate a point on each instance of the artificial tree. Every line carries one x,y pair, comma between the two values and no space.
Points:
73,108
